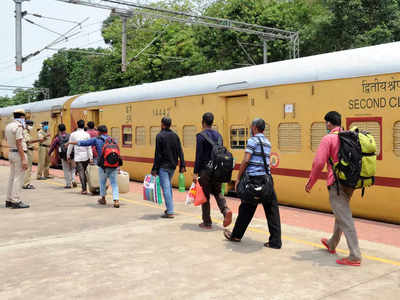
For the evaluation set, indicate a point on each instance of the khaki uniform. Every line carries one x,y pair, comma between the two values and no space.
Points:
44,159
29,155
14,132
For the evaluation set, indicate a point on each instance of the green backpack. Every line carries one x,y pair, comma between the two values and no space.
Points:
356,167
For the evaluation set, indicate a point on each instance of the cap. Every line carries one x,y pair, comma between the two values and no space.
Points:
29,122
19,111
45,123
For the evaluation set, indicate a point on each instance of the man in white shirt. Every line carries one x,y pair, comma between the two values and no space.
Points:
81,155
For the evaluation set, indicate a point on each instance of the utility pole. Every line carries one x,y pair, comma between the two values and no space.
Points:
123,55
265,47
18,34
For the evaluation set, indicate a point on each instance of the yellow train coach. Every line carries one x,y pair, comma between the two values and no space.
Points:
292,96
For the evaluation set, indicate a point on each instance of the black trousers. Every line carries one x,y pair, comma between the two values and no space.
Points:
211,187
271,209
81,167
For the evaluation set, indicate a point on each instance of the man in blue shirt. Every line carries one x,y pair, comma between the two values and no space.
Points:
104,173
253,165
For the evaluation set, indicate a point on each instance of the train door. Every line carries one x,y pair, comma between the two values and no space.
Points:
56,119
94,116
237,125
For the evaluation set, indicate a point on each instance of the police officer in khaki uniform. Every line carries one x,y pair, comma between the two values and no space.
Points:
17,157
44,158
29,142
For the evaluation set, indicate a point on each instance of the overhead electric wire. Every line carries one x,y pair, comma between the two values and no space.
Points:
43,27
51,18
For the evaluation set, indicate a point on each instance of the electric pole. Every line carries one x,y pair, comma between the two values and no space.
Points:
123,66
18,34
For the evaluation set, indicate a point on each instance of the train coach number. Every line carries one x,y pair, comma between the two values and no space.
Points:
161,111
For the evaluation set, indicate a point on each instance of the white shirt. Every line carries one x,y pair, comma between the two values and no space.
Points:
80,153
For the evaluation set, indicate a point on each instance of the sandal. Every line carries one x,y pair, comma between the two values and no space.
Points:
348,262
228,236
325,243
268,245
28,187
102,201
84,192
116,203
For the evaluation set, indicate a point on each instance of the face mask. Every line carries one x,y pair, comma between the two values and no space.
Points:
30,128
45,128
22,121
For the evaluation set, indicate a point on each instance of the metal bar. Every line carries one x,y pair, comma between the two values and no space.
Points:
247,54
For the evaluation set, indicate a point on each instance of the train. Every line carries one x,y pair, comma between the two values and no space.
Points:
291,96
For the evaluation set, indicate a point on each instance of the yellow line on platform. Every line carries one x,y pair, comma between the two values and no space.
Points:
253,229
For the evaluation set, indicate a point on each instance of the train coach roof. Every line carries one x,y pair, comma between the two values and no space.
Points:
38,106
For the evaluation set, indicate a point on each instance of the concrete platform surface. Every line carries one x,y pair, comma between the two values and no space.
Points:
67,247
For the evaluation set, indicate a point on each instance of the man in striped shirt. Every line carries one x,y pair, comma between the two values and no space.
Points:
253,165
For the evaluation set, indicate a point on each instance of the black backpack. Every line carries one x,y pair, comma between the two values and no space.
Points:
221,164
62,149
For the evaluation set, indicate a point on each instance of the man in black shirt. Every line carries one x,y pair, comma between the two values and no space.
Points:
168,150
203,156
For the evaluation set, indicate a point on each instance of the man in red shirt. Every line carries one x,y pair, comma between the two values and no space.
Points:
339,198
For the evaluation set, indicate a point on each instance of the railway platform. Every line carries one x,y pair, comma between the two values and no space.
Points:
65,246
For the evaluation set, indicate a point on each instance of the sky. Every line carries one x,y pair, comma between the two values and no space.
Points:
35,38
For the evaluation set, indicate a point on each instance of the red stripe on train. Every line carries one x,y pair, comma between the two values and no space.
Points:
380,181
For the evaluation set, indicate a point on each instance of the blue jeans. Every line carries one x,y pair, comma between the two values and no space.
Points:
111,174
165,182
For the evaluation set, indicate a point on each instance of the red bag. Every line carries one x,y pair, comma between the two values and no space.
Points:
111,157
200,197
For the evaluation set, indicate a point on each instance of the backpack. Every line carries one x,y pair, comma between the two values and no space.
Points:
111,156
63,148
356,167
221,164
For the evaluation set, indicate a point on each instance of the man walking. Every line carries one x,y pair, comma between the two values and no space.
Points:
29,154
104,172
18,163
44,159
93,133
82,155
210,186
61,143
256,164
339,195
168,150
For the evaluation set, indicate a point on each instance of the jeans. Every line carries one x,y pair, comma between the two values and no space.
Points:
69,171
165,182
111,174
81,166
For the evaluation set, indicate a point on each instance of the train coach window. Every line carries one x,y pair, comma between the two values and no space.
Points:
396,138
127,135
115,134
189,136
373,128
267,131
239,136
289,137
140,137
318,131
153,133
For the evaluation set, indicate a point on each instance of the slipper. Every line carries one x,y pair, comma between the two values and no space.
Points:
228,236
325,243
348,262
116,203
227,218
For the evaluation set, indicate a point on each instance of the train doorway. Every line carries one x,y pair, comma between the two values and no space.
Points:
237,124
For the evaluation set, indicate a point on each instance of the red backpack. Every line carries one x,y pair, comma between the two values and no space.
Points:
111,156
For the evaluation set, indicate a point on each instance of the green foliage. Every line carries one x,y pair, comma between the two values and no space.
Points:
158,49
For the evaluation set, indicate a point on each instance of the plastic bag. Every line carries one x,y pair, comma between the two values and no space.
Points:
200,198
191,194
152,189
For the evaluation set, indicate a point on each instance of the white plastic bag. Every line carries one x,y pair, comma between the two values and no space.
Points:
191,194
